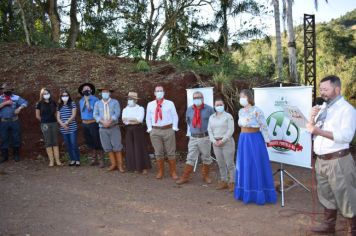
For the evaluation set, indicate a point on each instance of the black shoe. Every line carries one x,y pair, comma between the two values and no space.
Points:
5,155
77,163
72,163
17,154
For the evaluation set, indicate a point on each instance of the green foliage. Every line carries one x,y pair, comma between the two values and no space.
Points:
143,66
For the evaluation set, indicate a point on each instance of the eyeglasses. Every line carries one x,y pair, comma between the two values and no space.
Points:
197,97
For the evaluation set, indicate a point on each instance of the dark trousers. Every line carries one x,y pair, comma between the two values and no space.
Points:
72,146
92,136
10,131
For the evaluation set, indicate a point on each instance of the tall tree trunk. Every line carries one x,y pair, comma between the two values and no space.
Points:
74,25
55,20
279,55
225,30
24,24
291,44
149,36
158,44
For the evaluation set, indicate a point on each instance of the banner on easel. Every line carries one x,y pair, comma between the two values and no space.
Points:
290,142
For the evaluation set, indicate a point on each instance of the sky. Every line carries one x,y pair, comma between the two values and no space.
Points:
326,11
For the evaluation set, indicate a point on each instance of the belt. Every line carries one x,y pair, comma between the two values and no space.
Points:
249,130
335,155
163,127
201,135
88,121
15,118
218,139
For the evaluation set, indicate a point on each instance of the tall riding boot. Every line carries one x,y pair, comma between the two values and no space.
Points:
120,161
56,155
173,168
351,226
205,173
160,168
49,151
328,226
4,154
188,169
17,154
113,161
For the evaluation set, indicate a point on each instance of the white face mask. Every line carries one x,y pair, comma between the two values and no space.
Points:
219,108
243,102
46,96
65,99
105,96
131,103
197,101
159,95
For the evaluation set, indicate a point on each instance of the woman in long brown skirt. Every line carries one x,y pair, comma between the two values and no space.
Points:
137,158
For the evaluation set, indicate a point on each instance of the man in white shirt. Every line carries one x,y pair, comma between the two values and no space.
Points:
334,127
162,122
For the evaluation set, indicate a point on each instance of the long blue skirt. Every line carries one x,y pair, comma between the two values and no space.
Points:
254,180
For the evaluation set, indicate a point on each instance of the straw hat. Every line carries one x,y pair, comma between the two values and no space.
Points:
133,95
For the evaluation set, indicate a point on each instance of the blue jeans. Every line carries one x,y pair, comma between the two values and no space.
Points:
10,131
72,146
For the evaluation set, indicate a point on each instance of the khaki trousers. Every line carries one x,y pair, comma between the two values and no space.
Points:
164,143
198,146
337,184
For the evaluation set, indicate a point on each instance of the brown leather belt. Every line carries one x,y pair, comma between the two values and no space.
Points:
249,130
163,127
15,118
201,135
335,155
88,121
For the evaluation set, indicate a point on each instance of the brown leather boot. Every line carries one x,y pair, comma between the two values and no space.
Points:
328,226
56,155
50,155
113,161
351,226
120,161
222,185
205,173
160,168
231,187
188,169
173,168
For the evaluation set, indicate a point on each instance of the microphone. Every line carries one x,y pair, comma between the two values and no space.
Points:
319,101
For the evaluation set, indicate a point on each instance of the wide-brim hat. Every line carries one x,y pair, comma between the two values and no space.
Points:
6,87
106,88
91,86
133,95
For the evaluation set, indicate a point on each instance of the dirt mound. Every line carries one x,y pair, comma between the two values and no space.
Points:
28,69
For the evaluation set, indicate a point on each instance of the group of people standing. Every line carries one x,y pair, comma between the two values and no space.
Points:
333,127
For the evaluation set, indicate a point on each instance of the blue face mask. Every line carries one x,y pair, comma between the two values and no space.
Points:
197,102
219,108
159,95
105,96
131,103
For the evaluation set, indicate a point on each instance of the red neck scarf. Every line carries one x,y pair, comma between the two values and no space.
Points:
196,118
158,113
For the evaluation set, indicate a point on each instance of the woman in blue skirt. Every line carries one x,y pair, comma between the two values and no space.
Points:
254,180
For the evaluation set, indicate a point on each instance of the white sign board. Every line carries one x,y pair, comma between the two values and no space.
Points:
208,94
290,143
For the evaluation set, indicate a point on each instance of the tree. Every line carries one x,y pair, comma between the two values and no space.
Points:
74,25
279,54
293,73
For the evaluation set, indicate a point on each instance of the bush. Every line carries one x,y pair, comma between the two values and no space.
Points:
143,66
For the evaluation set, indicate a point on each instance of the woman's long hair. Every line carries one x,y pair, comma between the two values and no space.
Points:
52,103
60,102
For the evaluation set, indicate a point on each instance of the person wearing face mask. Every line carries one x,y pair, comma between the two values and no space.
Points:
162,122
197,117
10,130
90,127
66,113
137,158
254,180
333,128
221,128
106,113
46,109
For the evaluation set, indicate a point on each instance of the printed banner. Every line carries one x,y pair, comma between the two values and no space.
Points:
290,142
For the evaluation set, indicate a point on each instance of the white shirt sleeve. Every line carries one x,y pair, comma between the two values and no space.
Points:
346,131
174,117
141,114
149,117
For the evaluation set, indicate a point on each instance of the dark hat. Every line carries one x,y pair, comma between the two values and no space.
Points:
92,87
6,87
106,88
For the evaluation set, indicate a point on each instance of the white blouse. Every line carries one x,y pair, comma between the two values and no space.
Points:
136,112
